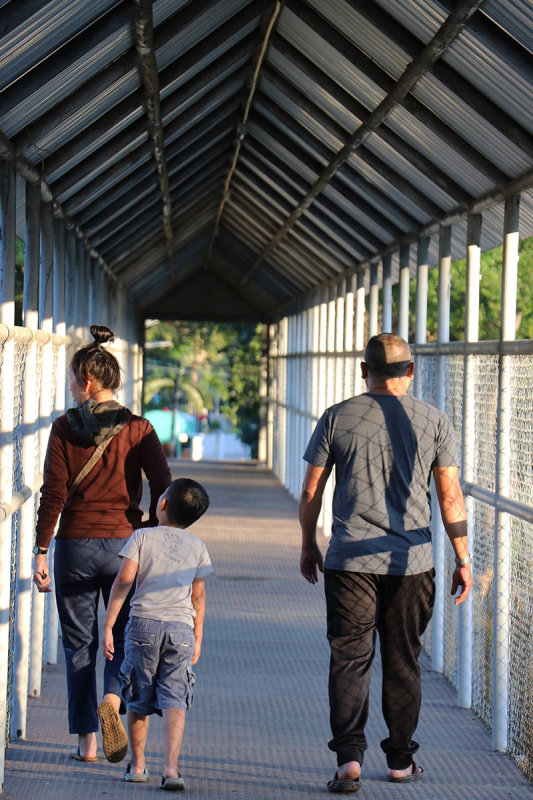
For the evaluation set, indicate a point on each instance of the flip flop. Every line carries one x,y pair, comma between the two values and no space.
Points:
414,776
114,737
77,756
344,787
134,777
172,784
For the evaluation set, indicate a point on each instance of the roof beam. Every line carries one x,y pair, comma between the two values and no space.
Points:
444,37
241,127
143,31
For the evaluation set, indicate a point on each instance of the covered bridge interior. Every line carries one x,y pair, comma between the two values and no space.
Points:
286,163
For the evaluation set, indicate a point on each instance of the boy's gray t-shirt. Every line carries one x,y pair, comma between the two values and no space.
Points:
383,448
169,560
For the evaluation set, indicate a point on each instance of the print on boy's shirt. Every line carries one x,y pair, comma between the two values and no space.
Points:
172,543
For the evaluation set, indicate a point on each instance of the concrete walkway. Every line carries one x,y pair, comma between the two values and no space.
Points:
259,724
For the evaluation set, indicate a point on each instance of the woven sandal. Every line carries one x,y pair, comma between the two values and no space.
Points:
115,740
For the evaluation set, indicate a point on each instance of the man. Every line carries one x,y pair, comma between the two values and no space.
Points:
378,574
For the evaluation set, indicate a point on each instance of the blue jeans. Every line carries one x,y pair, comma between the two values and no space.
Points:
82,569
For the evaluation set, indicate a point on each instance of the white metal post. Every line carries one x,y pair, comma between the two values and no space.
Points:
473,271
7,317
271,388
386,300
502,543
439,534
421,313
403,303
60,329
27,611
359,332
373,302
349,289
339,343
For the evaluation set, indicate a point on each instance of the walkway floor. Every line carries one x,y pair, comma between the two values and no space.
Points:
259,724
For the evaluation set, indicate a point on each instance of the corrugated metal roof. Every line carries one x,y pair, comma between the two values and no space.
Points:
336,162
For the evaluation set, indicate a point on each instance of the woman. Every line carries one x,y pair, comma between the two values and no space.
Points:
99,509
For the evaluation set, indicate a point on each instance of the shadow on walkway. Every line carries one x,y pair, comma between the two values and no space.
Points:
259,724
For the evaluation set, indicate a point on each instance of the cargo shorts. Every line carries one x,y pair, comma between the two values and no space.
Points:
156,672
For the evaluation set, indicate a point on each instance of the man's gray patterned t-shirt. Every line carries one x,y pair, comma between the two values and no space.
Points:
383,448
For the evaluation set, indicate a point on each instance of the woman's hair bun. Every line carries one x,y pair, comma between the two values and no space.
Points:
101,334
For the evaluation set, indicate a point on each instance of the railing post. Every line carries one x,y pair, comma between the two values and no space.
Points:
7,317
25,608
359,331
502,541
348,335
439,534
373,302
386,300
403,303
473,271
421,312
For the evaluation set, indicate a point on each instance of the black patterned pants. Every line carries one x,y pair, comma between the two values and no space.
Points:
399,608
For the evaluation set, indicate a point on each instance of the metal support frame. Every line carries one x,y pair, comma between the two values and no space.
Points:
502,542
439,534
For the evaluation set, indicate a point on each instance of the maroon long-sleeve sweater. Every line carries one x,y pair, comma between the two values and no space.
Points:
106,503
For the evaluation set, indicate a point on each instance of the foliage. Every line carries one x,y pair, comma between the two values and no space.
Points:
489,297
211,365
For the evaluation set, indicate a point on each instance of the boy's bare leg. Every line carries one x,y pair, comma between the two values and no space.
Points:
114,699
174,730
137,733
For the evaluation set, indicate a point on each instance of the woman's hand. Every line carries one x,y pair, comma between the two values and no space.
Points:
41,578
108,646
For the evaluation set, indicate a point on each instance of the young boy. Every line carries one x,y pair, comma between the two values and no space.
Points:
164,633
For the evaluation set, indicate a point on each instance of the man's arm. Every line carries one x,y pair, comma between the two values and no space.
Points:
309,509
119,591
198,603
453,512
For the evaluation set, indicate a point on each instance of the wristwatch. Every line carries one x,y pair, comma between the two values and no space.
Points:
39,551
462,562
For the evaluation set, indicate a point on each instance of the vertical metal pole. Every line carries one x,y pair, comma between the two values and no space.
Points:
284,330
359,331
386,314
270,408
263,399
373,302
348,334
7,317
339,344
24,608
403,305
70,300
473,271
439,534
79,297
327,510
322,372
60,329
421,313
502,543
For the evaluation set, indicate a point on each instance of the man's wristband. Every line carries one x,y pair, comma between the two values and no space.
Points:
462,562
39,551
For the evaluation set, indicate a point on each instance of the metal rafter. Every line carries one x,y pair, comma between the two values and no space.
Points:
144,42
445,36
241,128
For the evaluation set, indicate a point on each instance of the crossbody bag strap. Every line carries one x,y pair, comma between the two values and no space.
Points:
84,471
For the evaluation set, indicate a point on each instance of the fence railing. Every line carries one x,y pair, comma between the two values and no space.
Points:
484,647
33,391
